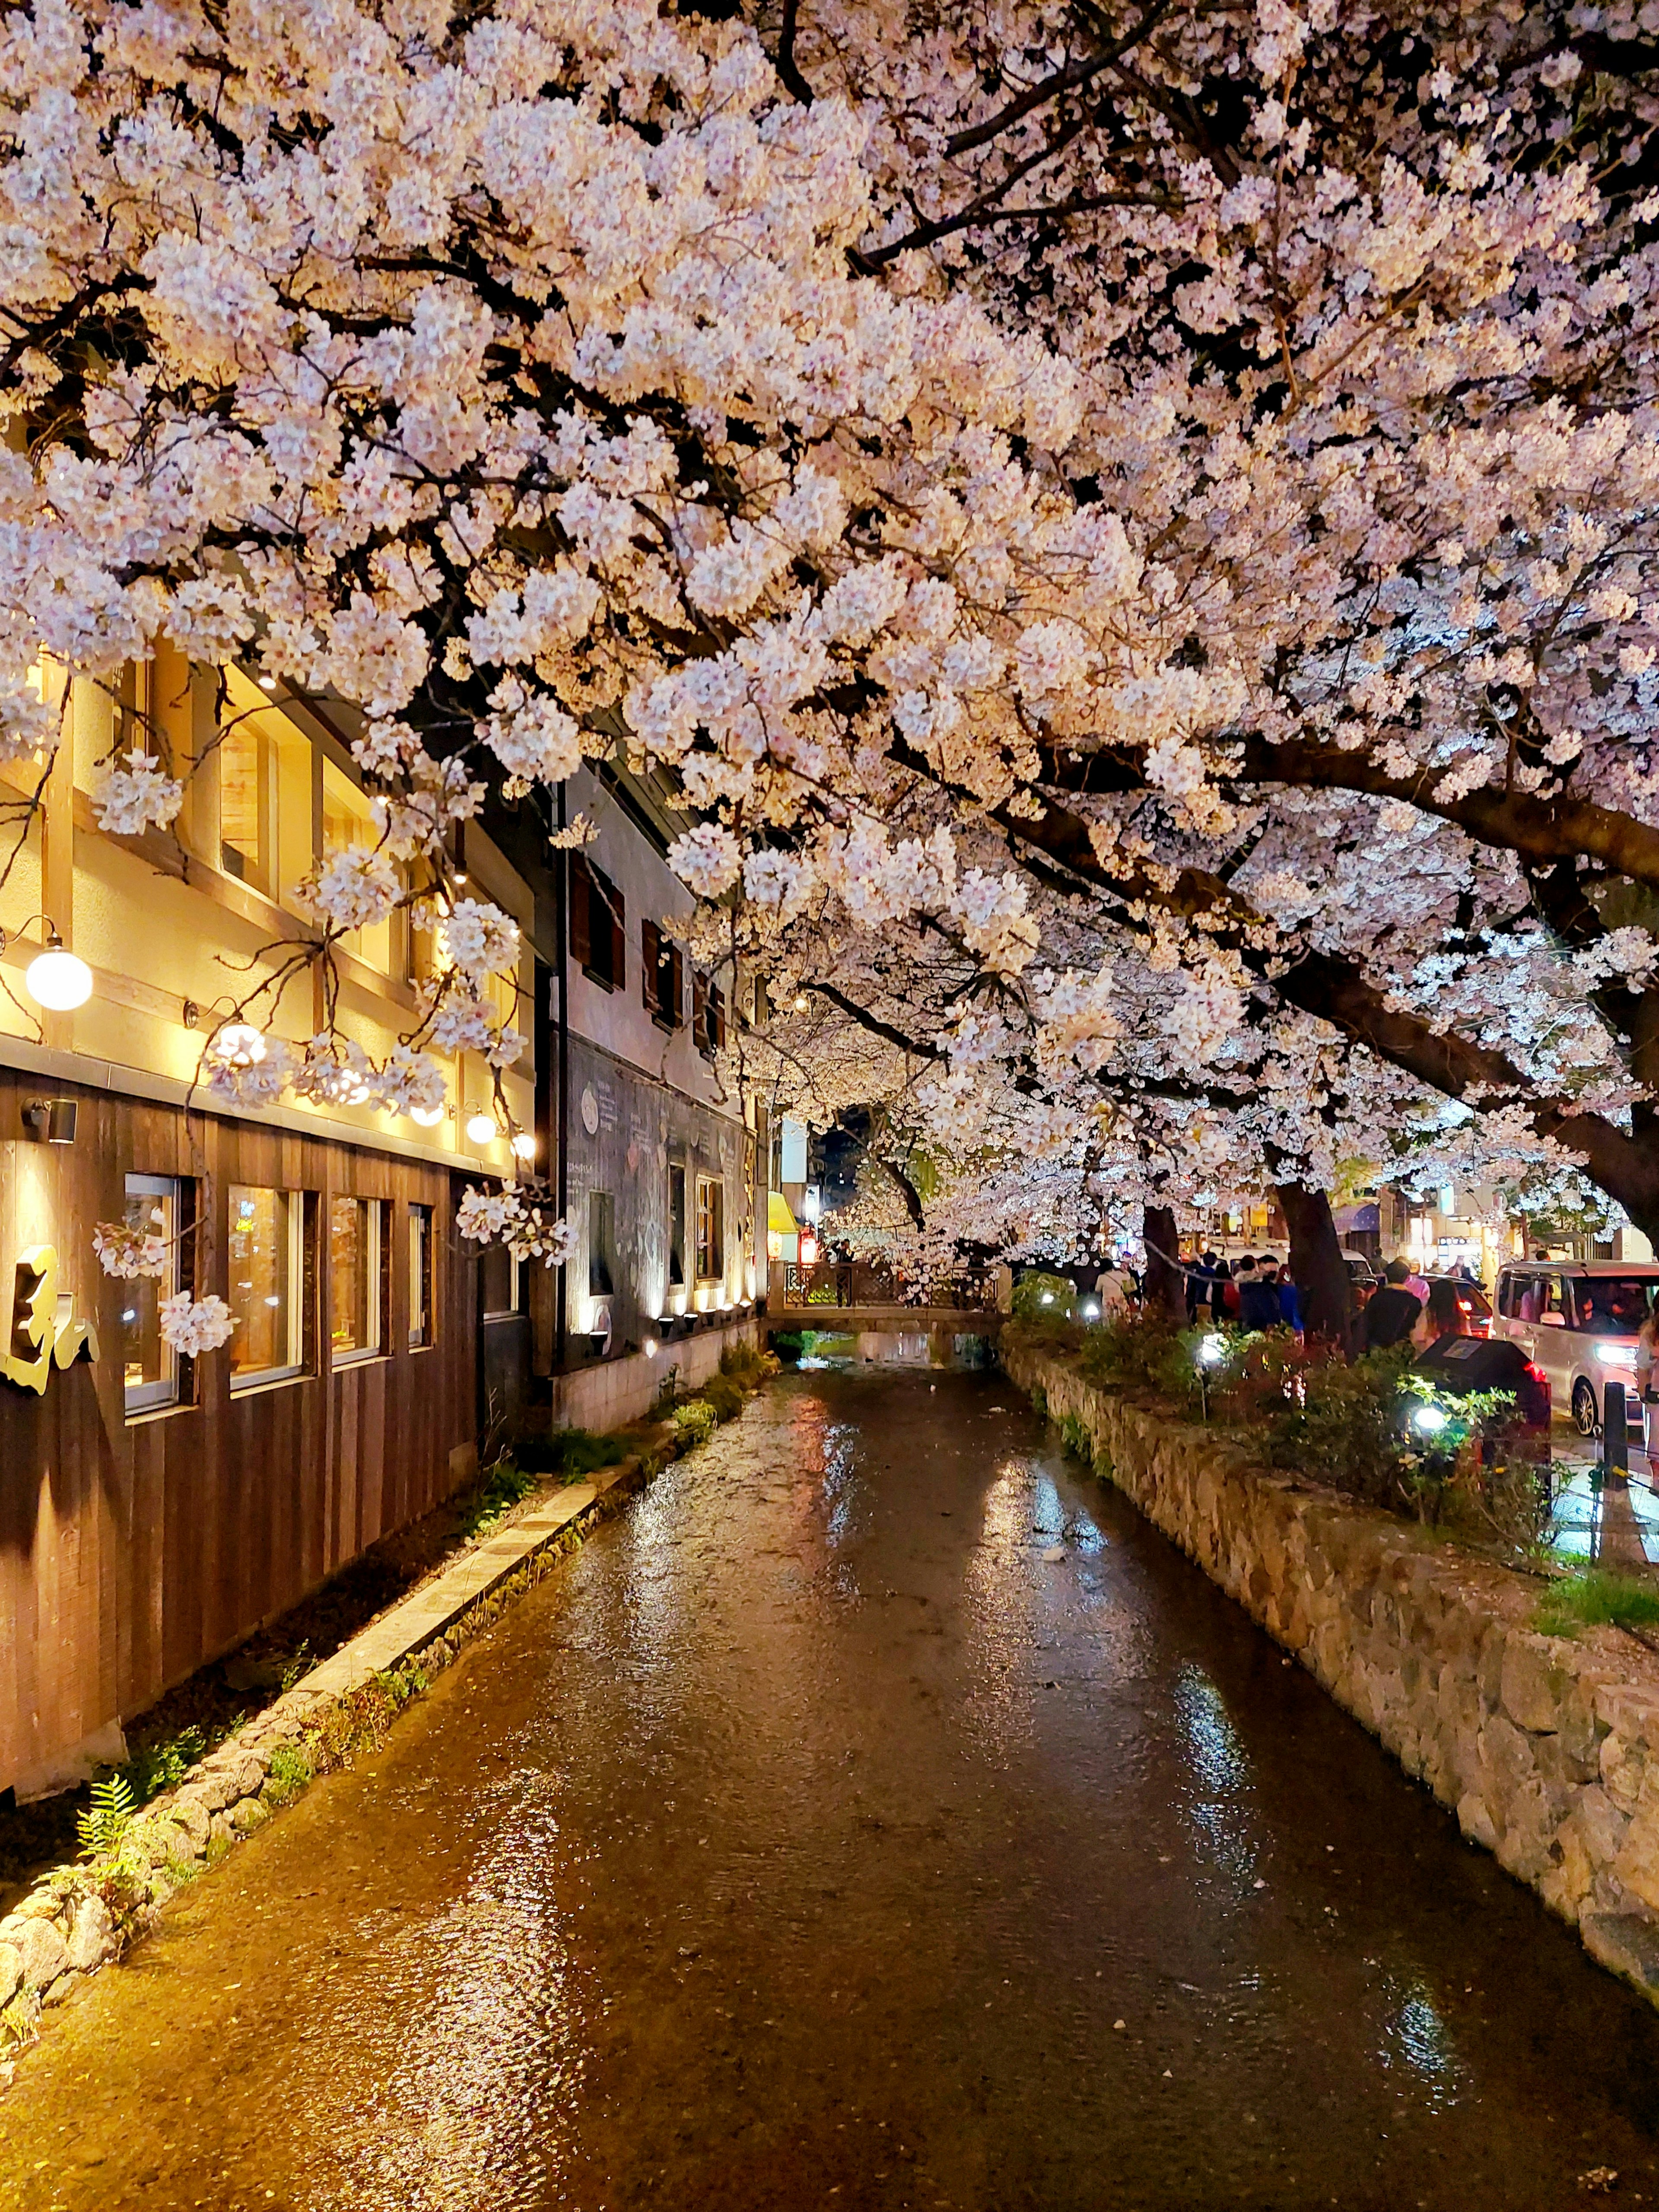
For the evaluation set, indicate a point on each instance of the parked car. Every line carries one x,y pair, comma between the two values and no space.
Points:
1578,1321
1477,1306
1460,1365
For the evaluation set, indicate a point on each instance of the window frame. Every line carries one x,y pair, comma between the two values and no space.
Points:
662,977
678,1221
601,1244
515,1280
708,1015
301,1243
599,918
716,1186
421,1259
376,1257
172,1388
257,869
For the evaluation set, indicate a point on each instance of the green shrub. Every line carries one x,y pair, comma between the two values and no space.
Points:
745,1362
694,1420
572,1453
789,1345
1143,1352
1077,1439
160,1765
1344,1428
726,1397
501,1489
289,1771
1037,1296
1597,1599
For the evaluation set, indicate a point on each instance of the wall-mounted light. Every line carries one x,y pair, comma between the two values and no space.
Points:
55,979
480,1127
190,1013
523,1144
427,1116
239,1044
54,1119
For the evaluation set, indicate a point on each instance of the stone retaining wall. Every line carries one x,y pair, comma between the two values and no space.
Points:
1545,1748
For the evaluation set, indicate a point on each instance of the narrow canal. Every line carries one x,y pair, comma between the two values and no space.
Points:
817,1837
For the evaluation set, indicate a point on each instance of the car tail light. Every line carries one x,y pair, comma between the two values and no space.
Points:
1538,1374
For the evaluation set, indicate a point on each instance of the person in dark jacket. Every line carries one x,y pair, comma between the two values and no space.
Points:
1290,1302
1393,1312
1258,1298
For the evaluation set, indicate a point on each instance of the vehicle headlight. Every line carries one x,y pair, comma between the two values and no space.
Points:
1615,1355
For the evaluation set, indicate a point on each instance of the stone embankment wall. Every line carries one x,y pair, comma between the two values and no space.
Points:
1545,1748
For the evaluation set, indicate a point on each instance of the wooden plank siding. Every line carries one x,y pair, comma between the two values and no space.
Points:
134,1551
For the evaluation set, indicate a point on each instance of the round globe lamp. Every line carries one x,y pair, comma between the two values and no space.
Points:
57,980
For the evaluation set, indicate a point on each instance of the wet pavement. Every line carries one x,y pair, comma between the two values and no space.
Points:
813,1839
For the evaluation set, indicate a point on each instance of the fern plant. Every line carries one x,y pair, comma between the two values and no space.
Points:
103,1827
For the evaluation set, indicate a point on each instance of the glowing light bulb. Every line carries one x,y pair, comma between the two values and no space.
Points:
57,980
427,1116
523,1144
239,1044
481,1128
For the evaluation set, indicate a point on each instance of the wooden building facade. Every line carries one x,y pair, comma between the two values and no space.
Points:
154,1512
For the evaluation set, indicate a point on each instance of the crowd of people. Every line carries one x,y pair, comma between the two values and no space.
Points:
1254,1294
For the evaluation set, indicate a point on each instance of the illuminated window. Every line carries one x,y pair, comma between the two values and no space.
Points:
245,799
267,1281
356,1299
264,768
150,1367
420,1276
711,1229
348,819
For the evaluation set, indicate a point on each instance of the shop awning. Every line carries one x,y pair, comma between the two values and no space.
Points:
780,1221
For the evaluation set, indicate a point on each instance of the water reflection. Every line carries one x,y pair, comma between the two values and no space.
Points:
1221,1782
1416,2037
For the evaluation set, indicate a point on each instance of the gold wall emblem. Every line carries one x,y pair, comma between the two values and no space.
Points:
45,1332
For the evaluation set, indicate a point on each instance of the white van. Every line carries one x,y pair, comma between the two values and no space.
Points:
1578,1321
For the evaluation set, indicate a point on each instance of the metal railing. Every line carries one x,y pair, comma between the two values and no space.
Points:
852,1283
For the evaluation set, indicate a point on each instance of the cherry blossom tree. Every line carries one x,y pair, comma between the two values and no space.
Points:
1153,505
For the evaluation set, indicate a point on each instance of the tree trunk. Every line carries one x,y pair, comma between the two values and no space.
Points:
1165,1287
1317,1264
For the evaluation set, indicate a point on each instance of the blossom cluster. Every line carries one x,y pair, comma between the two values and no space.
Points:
192,1326
518,1218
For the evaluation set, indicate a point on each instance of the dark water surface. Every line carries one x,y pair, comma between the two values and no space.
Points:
809,1839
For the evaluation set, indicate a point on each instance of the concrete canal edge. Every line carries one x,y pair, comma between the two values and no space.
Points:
1547,1749
65,1930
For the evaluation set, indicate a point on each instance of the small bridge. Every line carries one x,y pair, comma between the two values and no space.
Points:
845,1296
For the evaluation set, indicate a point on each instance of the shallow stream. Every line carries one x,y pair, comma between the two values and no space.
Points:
814,1838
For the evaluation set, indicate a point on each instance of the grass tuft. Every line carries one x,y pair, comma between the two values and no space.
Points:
1598,1599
